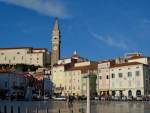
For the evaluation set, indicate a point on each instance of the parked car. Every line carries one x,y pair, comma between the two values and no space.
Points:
123,98
139,98
130,98
103,98
96,98
46,97
60,98
116,98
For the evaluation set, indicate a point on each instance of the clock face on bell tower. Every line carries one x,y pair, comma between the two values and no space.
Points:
55,48
55,53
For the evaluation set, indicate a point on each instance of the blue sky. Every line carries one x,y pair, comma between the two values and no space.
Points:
97,29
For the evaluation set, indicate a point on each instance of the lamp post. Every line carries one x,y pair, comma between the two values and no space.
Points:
88,95
88,109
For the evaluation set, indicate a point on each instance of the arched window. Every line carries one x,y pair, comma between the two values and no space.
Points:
138,92
129,93
113,93
120,93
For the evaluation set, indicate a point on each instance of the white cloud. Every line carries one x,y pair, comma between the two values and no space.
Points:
45,7
111,41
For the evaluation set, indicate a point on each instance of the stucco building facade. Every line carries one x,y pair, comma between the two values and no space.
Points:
24,55
69,78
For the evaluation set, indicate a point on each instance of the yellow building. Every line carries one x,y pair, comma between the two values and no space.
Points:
69,78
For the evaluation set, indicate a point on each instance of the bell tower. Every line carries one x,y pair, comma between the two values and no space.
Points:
55,52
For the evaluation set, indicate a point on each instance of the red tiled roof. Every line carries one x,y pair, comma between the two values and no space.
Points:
127,64
136,57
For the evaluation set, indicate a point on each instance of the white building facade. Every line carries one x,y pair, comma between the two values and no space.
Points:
129,79
126,76
24,55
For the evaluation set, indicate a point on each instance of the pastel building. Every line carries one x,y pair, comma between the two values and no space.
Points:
103,77
124,76
69,76
75,81
24,55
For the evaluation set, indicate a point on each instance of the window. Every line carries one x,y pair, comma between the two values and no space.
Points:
5,84
146,73
129,74
99,71
2,53
5,58
100,77
146,83
137,67
37,58
18,52
113,93
120,75
137,73
107,77
149,72
13,58
112,75
69,88
138,92
22,57
129,83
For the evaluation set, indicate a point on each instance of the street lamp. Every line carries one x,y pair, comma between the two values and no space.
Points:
88,109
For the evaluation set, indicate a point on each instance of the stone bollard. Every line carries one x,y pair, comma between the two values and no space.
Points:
18,109
37,110
27,110
5,109
59,111
11,110
46,110
0,110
